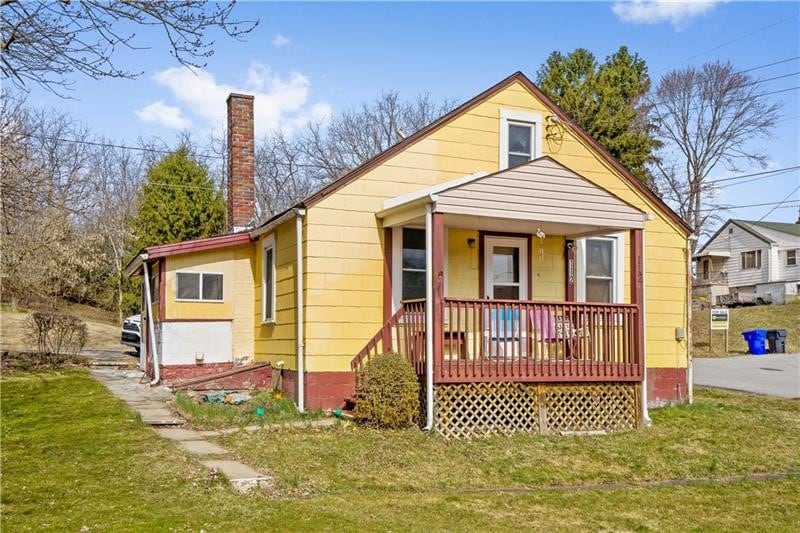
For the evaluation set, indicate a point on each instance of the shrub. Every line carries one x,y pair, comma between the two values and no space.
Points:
387,392
57,334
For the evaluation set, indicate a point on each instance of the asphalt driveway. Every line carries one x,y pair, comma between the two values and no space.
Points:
773,375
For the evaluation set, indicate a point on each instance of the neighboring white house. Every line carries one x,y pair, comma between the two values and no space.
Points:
750,261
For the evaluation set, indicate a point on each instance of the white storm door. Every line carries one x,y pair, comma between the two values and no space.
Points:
505,268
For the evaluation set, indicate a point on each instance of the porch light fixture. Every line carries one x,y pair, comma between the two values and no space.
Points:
471,243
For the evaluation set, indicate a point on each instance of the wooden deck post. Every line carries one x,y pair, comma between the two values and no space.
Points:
387,288
637,293
438,290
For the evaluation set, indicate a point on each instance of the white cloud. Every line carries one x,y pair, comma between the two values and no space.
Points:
280,101
166,115
677,13
280,40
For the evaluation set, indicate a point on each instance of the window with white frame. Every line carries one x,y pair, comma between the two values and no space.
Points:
751,259
601,269
791,257
520,137
413,264
268,282
199,286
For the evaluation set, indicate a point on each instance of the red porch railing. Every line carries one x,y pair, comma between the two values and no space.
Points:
404,333
511,340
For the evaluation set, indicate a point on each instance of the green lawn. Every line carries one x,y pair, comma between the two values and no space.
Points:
75,458
742,319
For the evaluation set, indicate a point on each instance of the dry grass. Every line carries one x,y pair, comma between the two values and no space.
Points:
742,319
104,334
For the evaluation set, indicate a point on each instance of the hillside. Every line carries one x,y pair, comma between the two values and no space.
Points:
104,333
742,319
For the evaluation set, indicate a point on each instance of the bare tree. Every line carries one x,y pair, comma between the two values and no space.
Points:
361,133
44,41
707,118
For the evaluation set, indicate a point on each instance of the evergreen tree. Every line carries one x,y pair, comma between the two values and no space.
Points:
606,99
179,202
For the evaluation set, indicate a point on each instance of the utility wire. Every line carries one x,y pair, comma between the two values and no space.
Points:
779,203
773,171
730,207
728,43
754,179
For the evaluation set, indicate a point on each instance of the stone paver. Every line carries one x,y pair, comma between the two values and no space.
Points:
151,404
243,478
179,434
773,374
202,447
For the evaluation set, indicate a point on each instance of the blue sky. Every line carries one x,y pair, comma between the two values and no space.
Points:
307,60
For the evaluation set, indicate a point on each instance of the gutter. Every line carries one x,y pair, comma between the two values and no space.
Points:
271,225
299,214
151,333
689,359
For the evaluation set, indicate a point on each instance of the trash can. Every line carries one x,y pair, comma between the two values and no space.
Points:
776,338
756,341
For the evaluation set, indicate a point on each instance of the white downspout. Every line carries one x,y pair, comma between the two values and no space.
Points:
150,325
429,317
645,415
301,400
690,359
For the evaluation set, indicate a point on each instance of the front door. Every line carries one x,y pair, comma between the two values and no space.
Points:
505,268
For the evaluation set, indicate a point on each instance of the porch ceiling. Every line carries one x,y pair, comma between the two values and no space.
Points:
539,194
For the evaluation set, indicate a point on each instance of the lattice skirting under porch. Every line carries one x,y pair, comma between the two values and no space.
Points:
466,410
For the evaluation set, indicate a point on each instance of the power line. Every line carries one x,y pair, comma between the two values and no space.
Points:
773,171
754,179
729,207
774,208
728,43
769,64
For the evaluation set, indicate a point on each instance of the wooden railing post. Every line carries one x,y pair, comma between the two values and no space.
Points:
438,291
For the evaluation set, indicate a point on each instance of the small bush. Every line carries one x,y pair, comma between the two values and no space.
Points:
387,392
57,334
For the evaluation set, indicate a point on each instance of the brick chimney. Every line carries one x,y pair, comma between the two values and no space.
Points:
241,163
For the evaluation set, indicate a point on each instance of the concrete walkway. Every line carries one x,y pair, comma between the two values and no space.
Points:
773,375
132,387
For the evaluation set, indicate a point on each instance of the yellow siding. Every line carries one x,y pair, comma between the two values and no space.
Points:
276,341
235,263
344,251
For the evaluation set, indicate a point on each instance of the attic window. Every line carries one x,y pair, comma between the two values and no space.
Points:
791,257
520,137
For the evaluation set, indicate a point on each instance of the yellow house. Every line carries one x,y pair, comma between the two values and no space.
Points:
520,267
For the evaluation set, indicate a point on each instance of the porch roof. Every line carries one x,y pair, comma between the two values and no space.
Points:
541,191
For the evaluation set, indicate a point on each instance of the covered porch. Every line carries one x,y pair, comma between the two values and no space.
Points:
530,275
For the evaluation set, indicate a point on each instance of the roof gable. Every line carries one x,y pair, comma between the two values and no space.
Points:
739,224
516,78
543,190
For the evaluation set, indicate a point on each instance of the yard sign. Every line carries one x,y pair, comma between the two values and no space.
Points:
720,320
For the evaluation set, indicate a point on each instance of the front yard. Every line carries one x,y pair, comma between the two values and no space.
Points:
75,457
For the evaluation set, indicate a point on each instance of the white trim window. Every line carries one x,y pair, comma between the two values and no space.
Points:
791,257
520,137
601,268
198,286
751,259
268,281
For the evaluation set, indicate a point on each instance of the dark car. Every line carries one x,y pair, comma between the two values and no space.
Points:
131,332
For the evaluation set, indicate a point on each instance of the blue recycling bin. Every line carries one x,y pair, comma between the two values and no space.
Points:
756,341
